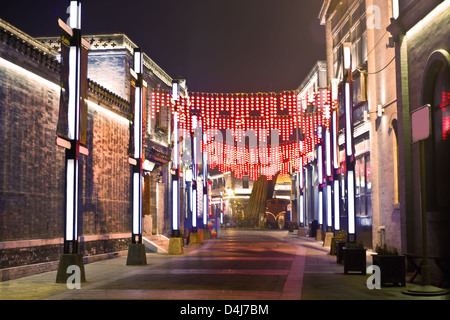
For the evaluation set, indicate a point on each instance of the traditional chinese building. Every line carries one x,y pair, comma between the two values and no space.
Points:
361,24
32,165
422,45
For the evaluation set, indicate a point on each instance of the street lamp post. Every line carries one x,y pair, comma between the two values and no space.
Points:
349,144
194,237
205,181
329,179
336,169
136,250
74,78
176,241
320,176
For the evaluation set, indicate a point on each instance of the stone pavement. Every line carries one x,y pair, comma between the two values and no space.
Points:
240,265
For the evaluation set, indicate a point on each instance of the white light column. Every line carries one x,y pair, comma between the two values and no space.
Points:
301,185
73,123
175,181
349,144
336,164
176,241
71,69
137,152
205,181
175,165
329,178
320,174
194,173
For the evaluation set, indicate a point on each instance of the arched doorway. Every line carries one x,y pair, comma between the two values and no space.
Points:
436,93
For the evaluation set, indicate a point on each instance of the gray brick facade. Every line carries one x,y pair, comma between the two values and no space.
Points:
32,178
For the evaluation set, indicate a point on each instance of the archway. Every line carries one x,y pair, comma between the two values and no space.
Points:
436,93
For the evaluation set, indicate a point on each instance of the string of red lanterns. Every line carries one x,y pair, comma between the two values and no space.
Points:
260,118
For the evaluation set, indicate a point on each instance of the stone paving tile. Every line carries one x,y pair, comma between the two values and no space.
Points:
206,281
272,266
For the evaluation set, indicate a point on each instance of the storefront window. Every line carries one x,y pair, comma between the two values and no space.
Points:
363,185
442,153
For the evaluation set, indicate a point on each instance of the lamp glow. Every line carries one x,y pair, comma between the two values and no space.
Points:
72,103
328,152
205,208
320,164
137,127
71,196
175,141
337,225
329,207
395,9
301,182
138,62
348,124
175,91
350,199
136,203
335,141
320,207
302,209
380,110
175,210
74,11
194,208
347,55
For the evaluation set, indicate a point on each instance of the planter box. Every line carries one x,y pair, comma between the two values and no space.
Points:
354,260
392,268
340,251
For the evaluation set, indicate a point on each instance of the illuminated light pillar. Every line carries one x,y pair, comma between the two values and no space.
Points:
301,184
72,59
320,176
136,250
195,237
188,181
336,166
205,181
349,144
176,241
221,207
194,173
175,165
329,179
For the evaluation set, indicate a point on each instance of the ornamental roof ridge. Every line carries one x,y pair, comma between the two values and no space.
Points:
26,38
97,89
112,41
28,45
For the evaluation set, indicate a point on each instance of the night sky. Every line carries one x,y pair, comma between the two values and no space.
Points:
217,45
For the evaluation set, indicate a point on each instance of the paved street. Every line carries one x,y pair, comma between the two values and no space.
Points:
241,265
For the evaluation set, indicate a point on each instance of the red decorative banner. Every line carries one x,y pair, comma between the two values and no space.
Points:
252,133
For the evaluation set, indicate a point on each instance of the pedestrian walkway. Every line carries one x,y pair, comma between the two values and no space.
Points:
240,265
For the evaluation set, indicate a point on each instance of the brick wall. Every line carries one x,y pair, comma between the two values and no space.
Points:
421,44
382,91
30,163
32,166
108,69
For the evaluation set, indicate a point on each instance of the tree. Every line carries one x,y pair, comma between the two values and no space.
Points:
257,202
